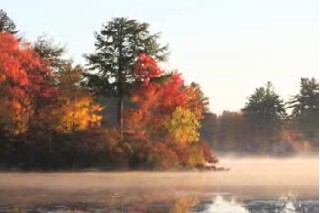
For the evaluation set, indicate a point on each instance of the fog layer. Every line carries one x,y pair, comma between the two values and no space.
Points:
248,178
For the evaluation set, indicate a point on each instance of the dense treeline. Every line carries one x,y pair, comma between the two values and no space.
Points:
54,114
264,126
122,111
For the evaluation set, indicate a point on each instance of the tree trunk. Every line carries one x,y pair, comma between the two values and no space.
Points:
120,115
49,142
120,87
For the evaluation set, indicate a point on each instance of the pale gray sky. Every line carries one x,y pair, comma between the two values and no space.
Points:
230,47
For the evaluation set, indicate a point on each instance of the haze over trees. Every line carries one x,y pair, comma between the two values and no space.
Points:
264,124
265,112
305,109
55,114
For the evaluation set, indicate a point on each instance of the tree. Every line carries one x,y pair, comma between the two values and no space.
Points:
71,111
265,112
23,80
50,53
305,108
44,122
197,100
118,45
233,132
6,24
72,107
183,126
75,109
157,95
209,128
167,111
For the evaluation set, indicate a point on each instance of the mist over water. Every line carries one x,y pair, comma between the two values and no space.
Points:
253,183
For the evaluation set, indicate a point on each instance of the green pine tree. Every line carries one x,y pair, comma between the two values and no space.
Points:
6,24
118,45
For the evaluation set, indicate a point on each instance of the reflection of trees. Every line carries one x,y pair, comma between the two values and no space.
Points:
150,203
183,205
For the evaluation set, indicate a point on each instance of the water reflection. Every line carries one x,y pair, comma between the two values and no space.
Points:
282,205
186,204
255,189
221,205
183,205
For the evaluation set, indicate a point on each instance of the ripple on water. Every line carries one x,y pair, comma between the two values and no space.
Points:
221,205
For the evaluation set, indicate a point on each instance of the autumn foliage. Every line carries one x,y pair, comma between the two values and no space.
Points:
166,111
44,110
122,111
158,94
23,81
35,102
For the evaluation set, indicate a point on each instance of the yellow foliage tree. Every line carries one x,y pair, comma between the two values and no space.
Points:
78,114
183,126
76,109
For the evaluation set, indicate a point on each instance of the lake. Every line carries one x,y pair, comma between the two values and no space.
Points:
252,185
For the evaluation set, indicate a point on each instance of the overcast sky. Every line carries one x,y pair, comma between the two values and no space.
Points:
229,47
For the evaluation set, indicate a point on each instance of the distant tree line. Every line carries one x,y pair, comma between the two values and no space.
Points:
264,126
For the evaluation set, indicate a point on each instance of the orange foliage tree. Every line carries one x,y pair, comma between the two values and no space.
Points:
157,95
23,82
165,110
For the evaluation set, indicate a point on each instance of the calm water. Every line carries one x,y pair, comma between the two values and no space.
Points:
252,185
218,204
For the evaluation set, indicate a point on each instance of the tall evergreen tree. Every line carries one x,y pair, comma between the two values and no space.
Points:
265,112
305,108
118,45
6,24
